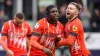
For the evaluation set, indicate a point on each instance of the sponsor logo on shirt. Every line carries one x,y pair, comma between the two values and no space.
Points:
74,28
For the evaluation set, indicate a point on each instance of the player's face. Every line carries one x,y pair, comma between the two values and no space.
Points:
71,11
54,14
18,21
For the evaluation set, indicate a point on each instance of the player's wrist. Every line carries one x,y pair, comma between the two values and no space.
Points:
43,48
7,50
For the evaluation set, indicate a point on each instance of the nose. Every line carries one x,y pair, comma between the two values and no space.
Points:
67,10
55,13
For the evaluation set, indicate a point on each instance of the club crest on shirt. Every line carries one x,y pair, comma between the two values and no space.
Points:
74,28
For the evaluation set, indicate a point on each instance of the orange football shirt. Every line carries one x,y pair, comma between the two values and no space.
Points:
74,29
46,33
16,36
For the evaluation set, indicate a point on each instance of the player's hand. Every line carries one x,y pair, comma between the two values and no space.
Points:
47,51
58,38
9,53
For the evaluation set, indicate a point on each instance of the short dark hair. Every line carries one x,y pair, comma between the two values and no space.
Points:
48,8
20,15
78,6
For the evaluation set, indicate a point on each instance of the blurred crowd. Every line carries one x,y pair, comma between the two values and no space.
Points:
5,11
90,14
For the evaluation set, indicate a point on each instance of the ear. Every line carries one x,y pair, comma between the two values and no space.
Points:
76,12
47,13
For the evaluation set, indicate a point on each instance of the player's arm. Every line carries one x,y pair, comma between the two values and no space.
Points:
37,33
28,45
35,44
4,34
59,37
3,42
29,35
72,36
67,42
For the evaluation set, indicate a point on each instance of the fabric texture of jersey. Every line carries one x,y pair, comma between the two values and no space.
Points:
46,33
16,36
78,48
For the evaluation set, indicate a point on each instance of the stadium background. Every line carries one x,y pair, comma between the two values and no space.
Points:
35,10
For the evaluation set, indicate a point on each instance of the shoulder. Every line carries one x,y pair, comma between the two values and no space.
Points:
26,23
39,24
77,21
61,25
7,23
41,20
5,26
76,25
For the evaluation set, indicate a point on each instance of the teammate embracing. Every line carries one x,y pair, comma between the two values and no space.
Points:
44,33
74,37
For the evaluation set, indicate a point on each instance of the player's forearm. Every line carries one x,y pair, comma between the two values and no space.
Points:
67,42
3,43
36,45
29,44
4,46
34,42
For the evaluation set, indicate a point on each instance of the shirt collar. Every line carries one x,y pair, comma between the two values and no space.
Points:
73,19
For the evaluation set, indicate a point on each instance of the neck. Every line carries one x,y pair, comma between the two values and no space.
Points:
51,21
15,23
70,19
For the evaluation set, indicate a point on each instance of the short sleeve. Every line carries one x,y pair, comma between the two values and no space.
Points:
5,28
29,33
74,29
37,29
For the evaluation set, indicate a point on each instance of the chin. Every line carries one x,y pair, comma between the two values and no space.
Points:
55,19
67,16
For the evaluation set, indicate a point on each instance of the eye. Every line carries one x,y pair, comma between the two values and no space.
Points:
53,11
67,7
71,8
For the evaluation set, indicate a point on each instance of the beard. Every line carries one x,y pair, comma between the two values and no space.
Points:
69,16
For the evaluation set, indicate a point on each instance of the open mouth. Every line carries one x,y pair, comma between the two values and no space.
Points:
68,13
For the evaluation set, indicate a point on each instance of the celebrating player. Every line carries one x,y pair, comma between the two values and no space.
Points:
16,32
44,33
74,32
